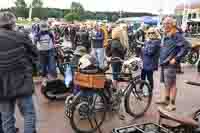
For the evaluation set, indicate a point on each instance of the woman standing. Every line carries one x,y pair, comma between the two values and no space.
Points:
117,50
150,55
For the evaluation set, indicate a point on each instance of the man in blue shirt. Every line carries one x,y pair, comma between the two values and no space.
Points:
45,45
173,48
97,42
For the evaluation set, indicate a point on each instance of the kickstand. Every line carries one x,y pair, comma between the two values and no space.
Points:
99,128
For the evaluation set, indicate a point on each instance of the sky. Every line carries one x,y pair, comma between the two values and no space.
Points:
152,6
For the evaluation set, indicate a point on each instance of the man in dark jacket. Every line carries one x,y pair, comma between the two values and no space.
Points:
16,83
173,48
73,35
82,38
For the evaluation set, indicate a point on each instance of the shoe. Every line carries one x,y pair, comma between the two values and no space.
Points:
162,102
171,107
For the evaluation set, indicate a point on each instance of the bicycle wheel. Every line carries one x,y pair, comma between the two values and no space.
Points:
88,116
138,99
193,57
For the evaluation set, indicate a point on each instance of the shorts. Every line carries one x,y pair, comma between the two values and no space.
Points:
168,76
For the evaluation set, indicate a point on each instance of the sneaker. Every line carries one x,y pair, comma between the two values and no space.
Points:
171,107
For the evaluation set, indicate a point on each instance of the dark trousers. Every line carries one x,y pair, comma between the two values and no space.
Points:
149,75
1,130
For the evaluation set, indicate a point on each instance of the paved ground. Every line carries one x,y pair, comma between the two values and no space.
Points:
51,113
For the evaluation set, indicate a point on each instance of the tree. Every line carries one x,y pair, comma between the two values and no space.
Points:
72,16
114,18
77,7
37,4
21,8
54,13
20,4
101,16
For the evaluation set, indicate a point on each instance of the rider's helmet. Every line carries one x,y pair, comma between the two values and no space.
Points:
87,61
7,20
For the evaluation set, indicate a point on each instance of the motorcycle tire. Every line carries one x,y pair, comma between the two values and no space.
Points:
198,67
46,95
54,90
193,57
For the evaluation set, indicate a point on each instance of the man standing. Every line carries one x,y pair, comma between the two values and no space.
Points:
82,38
45,45
16,83
97,42
173,48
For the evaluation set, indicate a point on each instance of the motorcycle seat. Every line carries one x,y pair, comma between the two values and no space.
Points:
181,120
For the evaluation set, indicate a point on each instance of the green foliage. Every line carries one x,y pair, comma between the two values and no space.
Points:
115,18
21,8
101,16
20,4
40,13
72,16
77,7
54,13
37,4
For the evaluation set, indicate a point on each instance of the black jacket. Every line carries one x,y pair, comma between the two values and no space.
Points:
17,56
82,39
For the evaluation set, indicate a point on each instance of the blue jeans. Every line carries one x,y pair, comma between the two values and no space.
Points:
26,108
99,53
48,63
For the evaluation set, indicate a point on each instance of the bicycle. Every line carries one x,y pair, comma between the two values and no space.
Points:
96,100
183,124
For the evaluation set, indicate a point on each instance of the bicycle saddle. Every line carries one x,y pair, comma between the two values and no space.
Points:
177,118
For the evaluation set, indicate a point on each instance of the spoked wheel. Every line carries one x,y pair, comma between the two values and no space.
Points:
193,57
88,116
197,118
138,99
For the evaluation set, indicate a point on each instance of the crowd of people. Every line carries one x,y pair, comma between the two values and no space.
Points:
165,49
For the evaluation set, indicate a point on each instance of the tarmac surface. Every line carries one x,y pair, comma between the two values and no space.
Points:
50,114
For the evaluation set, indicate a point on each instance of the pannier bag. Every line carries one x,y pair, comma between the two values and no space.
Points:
95,81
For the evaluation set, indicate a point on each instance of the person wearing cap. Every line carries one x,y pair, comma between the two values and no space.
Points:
45,45
150,55
173,48
18,55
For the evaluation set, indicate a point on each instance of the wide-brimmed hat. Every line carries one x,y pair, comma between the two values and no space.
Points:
7,18
80,50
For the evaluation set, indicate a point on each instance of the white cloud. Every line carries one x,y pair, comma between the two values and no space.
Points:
109,5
